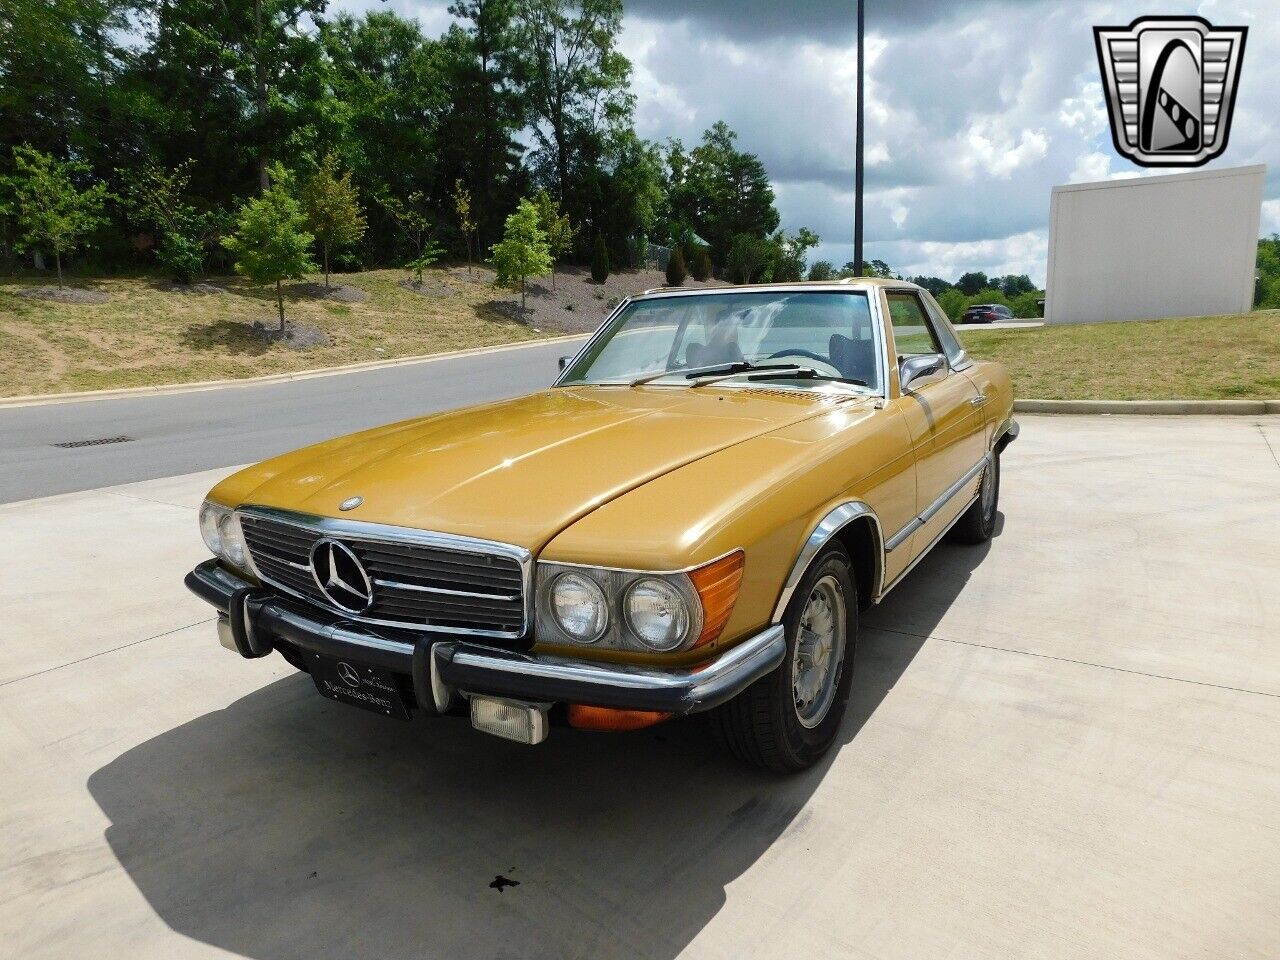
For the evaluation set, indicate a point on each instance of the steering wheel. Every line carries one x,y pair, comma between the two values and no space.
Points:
827,365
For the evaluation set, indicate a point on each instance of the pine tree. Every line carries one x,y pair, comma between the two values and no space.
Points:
332,208
270,242
701,265
676,271
600,262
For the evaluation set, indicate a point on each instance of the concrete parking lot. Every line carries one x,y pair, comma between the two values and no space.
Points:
1065,744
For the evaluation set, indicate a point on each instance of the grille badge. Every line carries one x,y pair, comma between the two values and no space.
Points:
341,576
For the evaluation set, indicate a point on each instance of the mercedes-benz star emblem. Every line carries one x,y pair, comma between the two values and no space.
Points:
341,576
348,674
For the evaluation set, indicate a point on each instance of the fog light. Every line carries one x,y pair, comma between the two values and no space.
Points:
510,719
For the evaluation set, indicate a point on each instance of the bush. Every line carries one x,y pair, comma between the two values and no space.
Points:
952,302
822,270
701,265
676,271
600,262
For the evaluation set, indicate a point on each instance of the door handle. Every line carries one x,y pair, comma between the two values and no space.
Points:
979,400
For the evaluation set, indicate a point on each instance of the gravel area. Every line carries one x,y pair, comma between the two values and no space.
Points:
211,289
64,294
428,288
295,336
577,304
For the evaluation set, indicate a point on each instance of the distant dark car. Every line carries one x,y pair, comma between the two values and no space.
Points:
986,313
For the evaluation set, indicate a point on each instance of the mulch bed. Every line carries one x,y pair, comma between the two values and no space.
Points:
428,289
294,336
339,292
211,289
64,294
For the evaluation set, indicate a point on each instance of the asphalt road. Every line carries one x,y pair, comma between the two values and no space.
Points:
1064,744
185,432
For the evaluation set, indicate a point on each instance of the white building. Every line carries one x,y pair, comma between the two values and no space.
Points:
1184,245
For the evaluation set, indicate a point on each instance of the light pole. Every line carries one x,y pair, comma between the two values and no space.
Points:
857,151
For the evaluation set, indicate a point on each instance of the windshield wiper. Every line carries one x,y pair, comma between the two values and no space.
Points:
731,368
726,371
806,373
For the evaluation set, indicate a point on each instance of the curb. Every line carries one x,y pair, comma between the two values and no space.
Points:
41,399
1158,407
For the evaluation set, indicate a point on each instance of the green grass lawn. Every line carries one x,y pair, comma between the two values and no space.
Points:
149,334
1204,358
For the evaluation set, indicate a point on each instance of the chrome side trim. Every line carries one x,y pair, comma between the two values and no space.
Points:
933,509
923,553
828,527
386,533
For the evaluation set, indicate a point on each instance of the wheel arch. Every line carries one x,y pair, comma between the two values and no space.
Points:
855,526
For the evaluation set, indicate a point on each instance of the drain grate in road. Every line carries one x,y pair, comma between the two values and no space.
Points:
71,444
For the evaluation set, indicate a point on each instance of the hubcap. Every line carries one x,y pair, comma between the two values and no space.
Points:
819,652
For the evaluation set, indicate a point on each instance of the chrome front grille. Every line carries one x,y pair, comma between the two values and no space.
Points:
421,580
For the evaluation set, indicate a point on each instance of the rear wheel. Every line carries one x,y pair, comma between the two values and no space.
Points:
978,523
787,720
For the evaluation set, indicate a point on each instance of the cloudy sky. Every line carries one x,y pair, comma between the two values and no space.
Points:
975,109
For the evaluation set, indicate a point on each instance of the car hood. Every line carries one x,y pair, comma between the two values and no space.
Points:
522,470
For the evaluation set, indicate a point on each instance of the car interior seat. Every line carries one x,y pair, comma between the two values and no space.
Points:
855,359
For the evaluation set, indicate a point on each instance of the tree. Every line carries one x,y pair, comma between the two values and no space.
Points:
523,251
556,227
822,270
411,216
701,264
676,271
747,257
1013,286
970,283
462,210
718,191
953,302
935,285
270,242
53,213
575,79
157,197
600,261
332,208
790,250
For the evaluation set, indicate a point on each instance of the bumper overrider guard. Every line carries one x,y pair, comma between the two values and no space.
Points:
444,668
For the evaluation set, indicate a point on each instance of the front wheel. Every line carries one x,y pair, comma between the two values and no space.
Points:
787,720
978,523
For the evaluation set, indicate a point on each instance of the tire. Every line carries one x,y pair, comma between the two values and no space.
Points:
978,523
765,725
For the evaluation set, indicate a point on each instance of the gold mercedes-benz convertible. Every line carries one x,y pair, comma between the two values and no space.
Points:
689,519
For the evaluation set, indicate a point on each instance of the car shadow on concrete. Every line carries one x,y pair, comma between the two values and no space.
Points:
285,826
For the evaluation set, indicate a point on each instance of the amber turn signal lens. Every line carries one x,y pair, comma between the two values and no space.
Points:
606,718
717,584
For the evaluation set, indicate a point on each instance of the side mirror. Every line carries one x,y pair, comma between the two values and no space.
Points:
564,362
921,370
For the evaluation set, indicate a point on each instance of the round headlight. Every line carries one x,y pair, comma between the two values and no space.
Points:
232,540
579,607
657,614
210,516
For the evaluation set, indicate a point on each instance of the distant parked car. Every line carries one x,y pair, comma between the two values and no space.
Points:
986,313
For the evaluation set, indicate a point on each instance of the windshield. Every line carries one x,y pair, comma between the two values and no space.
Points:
827,336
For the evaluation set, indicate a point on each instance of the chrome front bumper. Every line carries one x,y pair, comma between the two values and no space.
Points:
445,669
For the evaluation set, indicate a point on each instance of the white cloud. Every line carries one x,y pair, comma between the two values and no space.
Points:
987,147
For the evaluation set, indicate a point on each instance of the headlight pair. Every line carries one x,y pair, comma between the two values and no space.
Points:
221,532
627,609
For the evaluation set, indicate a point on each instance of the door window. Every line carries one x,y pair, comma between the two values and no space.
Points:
913,332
